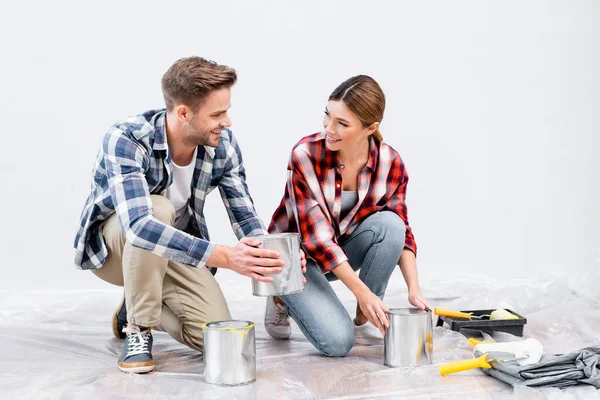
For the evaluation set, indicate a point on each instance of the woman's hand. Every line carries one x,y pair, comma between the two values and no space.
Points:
303,263
416,298
373,308
408,266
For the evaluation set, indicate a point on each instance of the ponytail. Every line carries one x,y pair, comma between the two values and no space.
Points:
377,135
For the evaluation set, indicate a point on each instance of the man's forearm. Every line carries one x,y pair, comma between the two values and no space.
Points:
219,257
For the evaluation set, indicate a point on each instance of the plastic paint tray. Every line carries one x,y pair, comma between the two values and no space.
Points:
512,326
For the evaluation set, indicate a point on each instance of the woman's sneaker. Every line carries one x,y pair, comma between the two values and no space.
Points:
136,355
368,334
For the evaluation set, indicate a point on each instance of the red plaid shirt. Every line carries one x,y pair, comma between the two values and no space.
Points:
313,196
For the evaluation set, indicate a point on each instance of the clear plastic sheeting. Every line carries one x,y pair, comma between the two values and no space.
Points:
59,345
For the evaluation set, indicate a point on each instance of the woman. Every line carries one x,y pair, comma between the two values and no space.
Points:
345,195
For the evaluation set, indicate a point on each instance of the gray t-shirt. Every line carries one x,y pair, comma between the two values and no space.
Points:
349,199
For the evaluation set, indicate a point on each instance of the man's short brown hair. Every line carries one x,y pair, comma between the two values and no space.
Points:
189,80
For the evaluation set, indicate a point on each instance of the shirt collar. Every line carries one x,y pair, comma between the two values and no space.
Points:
374,152
210,151
160,135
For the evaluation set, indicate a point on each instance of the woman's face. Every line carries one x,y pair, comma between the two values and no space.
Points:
344,129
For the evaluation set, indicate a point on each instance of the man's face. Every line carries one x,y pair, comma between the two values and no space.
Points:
204,129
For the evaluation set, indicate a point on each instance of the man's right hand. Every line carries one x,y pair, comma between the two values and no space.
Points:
247,259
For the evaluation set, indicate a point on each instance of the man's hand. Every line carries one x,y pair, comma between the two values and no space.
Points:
247,259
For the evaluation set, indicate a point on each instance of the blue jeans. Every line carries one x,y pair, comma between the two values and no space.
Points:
374,248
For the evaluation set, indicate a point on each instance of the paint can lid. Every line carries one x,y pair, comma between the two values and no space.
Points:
229,325
275,236
408,311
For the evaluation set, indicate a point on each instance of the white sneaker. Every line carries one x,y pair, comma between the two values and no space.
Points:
367,334
277,320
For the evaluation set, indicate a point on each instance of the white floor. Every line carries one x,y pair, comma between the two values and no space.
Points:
59,345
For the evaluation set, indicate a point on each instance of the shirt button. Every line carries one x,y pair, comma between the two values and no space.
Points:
338,185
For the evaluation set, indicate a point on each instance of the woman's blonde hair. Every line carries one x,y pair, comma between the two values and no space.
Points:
364,97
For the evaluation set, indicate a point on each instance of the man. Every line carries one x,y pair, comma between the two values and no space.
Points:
143,226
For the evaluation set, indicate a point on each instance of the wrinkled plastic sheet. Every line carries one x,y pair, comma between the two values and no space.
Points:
59,345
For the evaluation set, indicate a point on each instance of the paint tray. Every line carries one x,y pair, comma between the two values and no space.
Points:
512,326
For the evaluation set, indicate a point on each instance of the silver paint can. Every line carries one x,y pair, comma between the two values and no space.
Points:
229,353
289,280
409,339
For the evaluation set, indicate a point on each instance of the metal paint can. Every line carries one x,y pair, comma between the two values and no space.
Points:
409,339
289,280
229,353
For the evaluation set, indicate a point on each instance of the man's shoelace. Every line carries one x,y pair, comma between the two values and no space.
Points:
138,340
281,316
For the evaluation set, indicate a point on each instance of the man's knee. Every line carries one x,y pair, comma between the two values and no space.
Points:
193,335
164,210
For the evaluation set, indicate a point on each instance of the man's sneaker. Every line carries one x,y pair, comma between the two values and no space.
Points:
120,320
277,320
367,334
136,355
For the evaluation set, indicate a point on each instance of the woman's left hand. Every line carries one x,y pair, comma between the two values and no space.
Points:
303,263
416,298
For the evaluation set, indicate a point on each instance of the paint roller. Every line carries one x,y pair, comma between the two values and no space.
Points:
526,352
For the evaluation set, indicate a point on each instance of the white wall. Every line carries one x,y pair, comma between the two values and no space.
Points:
493,106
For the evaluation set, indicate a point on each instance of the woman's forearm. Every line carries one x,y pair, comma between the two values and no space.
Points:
408,266
346,274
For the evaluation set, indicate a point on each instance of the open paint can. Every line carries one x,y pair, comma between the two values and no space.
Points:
289,280
409,339
229,353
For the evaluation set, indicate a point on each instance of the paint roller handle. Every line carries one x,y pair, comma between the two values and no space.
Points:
479,362
475,342
444,312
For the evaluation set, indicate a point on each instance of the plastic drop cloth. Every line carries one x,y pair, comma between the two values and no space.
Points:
553,370
59,345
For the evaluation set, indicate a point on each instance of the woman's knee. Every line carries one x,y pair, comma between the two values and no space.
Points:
391,223
164,210
387,227
338,343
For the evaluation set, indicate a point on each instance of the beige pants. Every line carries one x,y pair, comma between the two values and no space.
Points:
159,293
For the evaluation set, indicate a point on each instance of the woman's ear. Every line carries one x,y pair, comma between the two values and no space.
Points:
372,128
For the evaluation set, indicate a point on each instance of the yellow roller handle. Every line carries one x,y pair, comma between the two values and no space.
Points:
475,342
479,362
451,313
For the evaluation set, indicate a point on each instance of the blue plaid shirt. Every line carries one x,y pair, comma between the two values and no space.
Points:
135,162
